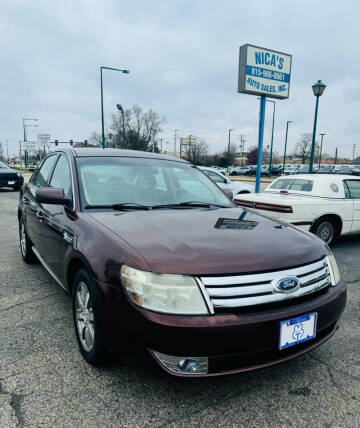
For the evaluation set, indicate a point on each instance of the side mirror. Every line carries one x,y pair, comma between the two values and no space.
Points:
51,195
228,193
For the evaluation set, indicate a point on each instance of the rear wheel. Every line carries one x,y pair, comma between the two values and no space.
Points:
25,244
325,229
88,322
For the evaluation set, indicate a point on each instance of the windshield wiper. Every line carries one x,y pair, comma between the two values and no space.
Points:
190,204
120,207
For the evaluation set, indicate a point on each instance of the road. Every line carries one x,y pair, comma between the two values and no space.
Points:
45,382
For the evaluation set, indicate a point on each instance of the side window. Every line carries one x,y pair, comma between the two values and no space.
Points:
42,176
214,177
353,189
61,177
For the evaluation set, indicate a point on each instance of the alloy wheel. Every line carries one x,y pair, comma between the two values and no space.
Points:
22,239
84,316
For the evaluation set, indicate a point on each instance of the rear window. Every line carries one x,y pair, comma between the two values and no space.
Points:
293,184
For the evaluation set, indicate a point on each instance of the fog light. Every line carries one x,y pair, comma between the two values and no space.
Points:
183,365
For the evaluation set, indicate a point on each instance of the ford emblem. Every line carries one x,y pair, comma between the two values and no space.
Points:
287,285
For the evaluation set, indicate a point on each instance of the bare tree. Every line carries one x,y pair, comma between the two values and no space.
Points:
139,130
198,152
303,147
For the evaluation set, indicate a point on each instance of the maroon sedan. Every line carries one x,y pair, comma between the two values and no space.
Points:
160,263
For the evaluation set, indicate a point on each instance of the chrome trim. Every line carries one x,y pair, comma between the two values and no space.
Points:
257,289
42,261
206,296
270,298
260,277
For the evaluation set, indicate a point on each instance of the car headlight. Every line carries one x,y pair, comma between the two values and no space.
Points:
175,294
334,270
18,174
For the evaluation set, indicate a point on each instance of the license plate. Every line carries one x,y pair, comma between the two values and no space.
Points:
11,182
296,330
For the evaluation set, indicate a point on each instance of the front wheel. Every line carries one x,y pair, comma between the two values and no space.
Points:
325,229
88,322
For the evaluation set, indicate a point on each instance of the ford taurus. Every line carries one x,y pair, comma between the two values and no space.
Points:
160,263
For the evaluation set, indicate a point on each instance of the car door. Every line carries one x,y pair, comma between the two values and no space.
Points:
352,191
32,209
56,233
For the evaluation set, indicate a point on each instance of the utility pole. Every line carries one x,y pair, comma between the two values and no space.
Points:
161,140
354,152
229,149
336,155
286,137
242,144
175,138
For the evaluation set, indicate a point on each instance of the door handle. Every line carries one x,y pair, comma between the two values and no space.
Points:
68,238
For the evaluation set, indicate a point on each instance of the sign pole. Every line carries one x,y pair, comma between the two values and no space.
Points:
260,143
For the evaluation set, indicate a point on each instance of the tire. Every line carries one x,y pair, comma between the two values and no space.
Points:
88,320
16,188
326,229
27,253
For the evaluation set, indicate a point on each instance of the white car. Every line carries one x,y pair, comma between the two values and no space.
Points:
327,205
237,187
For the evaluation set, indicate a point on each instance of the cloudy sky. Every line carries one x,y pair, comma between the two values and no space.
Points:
183,58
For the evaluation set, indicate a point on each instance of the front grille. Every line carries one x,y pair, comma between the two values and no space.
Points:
238,291
8,176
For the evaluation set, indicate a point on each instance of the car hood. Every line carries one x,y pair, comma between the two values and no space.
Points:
195,241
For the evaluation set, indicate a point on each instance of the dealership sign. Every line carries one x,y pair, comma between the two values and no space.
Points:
264,72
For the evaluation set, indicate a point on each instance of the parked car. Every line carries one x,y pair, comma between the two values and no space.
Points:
326,169
242,170
276,169
345,170
236,187
356,170
290,170
176,274
326,205
10,177
304,169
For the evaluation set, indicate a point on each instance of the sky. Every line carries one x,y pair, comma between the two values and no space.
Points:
183,62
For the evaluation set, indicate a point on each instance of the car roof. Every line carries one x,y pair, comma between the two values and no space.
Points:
79,152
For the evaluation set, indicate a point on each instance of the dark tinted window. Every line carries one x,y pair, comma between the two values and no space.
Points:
44,172
61,177
353,189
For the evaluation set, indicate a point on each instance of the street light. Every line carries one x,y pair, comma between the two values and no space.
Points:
120,108
102,99
318,89
287,127
321,144
229,147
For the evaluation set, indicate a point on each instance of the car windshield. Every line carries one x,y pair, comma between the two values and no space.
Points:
107,181
296,184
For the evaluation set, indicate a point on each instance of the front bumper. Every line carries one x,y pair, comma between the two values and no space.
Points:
232,342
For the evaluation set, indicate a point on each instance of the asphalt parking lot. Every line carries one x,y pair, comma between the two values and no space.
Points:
45,382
